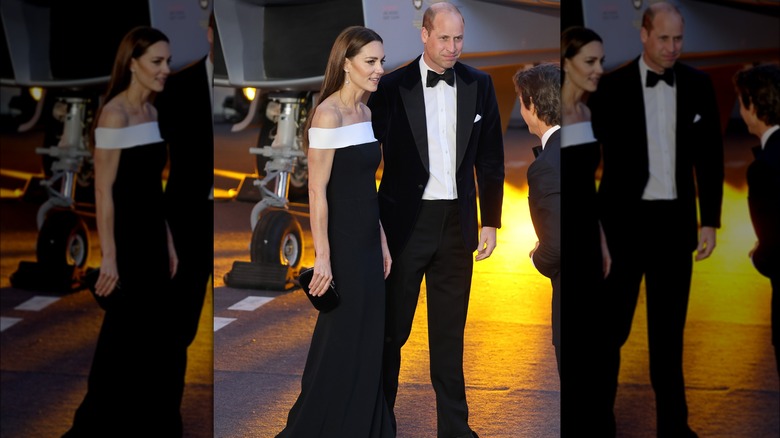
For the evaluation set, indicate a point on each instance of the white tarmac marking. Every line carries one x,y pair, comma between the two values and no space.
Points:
36,303
220,322
6,322
250,303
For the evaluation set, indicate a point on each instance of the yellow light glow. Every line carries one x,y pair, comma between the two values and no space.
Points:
36,93
249,93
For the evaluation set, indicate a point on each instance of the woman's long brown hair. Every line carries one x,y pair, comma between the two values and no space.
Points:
347,46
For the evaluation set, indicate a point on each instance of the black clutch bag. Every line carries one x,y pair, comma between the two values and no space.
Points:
325,302
105,302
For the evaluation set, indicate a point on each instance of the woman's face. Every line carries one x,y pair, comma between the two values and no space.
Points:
365,68
586,67
153,67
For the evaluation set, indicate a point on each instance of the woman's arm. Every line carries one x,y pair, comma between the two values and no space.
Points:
106,162
320,162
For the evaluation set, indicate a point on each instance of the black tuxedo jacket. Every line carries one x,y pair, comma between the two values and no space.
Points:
186,124
618,117
763,178
398,115
544,203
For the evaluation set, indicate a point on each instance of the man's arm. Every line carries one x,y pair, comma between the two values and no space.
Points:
489,160
708,157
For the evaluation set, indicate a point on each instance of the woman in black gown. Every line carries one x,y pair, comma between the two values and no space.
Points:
585,258
128,377
341,388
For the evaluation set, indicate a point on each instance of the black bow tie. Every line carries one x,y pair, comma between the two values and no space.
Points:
537,150
653,77
448,76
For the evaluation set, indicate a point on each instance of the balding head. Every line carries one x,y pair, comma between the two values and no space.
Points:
434,9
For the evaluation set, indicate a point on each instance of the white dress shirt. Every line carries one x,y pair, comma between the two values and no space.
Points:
768,133
441,117
661,123
548,133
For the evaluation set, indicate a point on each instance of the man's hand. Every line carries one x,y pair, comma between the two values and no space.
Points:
706,243
487,243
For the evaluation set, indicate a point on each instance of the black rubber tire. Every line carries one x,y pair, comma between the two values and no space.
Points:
63,240
277,238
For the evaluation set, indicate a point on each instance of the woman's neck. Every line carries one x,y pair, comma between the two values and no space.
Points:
351,97
571,95
137,96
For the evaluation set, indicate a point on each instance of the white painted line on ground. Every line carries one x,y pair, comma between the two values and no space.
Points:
250,303
37,303
6,322
221,322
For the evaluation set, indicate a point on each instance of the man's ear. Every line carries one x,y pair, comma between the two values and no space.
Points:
752,109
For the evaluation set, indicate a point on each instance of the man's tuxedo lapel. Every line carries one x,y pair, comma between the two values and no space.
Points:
685,105
414,103
635,103
466,102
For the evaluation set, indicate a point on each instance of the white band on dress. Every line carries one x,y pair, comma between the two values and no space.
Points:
341,137
127,137
577,133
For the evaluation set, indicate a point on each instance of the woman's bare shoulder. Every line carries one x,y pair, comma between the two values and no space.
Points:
113,115
326,116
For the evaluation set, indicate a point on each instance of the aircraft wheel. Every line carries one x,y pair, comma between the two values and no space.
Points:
277,238
63,241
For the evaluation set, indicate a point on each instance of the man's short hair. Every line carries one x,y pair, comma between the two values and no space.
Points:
760,86
541,85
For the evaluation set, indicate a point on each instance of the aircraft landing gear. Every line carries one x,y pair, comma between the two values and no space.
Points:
63,247
276,248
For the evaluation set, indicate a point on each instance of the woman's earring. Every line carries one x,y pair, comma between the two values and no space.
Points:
346,78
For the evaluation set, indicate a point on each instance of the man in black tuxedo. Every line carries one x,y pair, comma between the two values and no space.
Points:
186,123
662,148
539,92
435,133
759,105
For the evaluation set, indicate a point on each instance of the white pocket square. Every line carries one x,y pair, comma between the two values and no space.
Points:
696,118
478,118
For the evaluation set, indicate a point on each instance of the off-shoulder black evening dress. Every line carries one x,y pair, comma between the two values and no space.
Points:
341,388
128,374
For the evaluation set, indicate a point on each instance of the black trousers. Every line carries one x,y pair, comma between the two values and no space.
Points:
435,251
652,249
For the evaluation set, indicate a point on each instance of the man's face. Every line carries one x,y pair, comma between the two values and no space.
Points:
663,44
444,42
